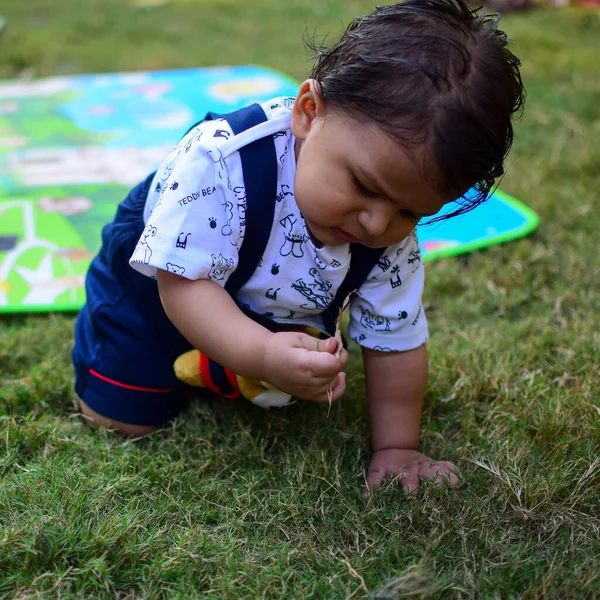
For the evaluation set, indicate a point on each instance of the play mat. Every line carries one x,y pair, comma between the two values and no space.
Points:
71,147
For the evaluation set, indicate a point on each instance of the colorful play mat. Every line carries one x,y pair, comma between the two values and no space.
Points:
71,147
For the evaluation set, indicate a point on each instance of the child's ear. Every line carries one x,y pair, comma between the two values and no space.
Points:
309,104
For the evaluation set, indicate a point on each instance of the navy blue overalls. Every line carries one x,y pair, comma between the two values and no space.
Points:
125,345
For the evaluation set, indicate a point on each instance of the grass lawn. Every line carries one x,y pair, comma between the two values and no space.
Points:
232,502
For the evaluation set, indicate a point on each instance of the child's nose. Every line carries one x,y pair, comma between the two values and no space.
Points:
375,222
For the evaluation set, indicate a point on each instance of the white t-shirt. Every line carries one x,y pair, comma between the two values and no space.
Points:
195,226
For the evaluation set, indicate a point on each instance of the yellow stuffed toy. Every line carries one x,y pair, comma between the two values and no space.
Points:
193,368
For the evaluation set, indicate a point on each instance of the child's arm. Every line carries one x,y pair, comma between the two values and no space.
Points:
395,388
210,320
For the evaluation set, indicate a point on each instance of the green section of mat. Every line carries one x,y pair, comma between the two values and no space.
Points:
72,147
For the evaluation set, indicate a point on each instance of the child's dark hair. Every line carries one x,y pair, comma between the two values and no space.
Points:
433,74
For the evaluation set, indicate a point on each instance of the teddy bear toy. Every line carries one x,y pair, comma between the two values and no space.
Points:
196,369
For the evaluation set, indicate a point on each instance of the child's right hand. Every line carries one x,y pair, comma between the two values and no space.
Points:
305,367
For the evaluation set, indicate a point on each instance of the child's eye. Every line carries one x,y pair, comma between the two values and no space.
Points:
365,191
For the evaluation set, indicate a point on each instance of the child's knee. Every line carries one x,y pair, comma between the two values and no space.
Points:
125,429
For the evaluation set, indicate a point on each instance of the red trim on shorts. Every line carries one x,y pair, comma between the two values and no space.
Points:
130,387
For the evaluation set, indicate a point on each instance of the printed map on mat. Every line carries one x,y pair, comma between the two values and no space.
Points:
72,147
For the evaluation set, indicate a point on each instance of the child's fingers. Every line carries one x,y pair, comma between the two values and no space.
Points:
330,390
343,357
451,478
441,472
322,365
408,480
328,346
446,464
375,477
322,361
338,390
308,342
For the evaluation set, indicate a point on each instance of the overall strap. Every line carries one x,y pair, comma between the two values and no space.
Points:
259,165
362,260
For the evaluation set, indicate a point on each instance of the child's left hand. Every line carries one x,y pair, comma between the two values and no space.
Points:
410,466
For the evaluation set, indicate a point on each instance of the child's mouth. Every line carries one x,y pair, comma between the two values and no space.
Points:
344,235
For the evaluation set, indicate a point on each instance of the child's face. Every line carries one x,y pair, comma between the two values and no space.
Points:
353,182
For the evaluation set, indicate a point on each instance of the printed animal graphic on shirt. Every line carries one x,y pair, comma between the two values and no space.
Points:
193,137
175,269
383,264
292,243
182,240
222,133
163,184
373,322
220,266
320,264
216,156
414,259
395,280
226,230
284,154
317,291
143,246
